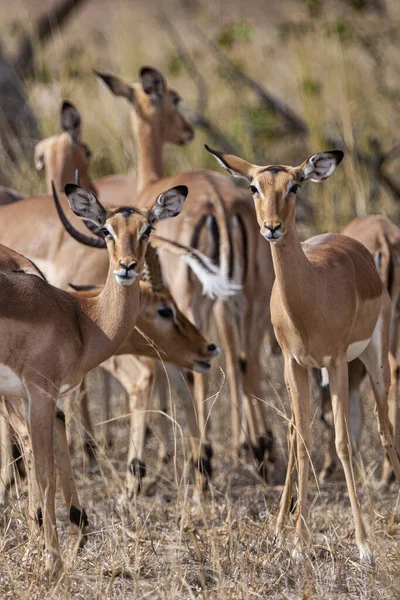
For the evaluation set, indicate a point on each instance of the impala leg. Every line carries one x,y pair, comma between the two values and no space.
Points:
106,392
338,379
254,408
387,471
42,408
6,459
164,403
77,514
356,373
139,399
377,364
286,499
92,466
296,378
226,320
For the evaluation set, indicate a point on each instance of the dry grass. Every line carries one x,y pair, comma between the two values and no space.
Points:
170,544
328,63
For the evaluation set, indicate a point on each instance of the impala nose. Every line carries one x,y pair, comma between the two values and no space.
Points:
213,349
272,229
128,266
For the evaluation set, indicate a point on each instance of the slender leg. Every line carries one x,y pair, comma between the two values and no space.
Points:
92,465
260,434
387,471
106,391
77,514
296,378
286,498
356,372
42,408
226,320
376,362
6,467
338,379
137,379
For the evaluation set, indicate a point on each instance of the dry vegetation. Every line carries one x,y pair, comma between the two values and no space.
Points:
336,64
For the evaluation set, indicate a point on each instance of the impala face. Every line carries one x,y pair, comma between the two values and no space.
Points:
274,187
274,191
152,98
126,229
173,333
64,154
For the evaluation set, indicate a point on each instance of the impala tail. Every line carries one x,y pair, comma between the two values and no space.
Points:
215,283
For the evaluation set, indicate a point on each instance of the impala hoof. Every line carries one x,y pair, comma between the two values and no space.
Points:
367,556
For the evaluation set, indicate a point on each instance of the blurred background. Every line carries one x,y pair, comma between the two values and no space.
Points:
272,81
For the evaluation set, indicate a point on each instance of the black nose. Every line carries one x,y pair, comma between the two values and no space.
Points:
131,265
273,229
211,347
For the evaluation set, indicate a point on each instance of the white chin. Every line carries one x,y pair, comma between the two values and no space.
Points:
272,240
124,280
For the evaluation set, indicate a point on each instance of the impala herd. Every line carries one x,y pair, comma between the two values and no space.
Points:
100,288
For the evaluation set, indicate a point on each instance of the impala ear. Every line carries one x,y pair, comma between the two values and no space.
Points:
39,155
85,205
118,86
233,164
71,120
320,166
168,204
153,82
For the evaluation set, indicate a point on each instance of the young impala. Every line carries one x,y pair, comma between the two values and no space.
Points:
328,307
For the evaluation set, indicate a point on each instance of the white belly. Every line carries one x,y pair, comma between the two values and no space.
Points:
354,350
10,383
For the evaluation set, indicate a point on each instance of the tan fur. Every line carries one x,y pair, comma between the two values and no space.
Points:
91,329
61,155
327,296
382,238
211,194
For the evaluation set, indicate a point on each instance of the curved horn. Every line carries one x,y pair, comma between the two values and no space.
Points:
77,235
152,272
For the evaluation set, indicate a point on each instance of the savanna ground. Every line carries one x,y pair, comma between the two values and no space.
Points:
336,64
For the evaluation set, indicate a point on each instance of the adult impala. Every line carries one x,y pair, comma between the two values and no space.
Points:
62,154
328,307
214,207
382,238
35,316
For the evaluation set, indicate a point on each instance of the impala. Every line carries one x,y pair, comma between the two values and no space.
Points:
328,307
63,154
65,336
382,238
214,204
162,332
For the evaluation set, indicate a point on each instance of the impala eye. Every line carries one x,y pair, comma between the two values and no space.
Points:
253,189
294,188
146,232
166,312
106,233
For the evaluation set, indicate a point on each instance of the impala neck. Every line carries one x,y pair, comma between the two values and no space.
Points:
293,274
108,319
149,135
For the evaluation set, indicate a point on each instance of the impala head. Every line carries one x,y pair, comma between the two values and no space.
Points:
274,187
153,101
127,229
177,339
64,154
